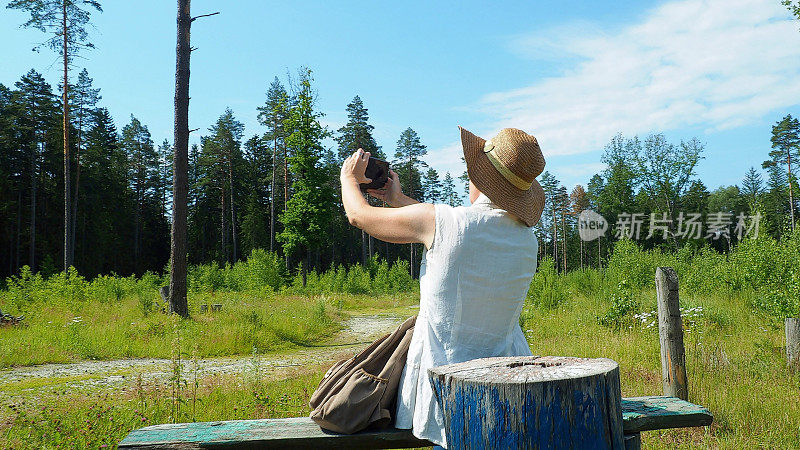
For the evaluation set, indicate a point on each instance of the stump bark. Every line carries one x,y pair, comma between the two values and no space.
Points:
530,402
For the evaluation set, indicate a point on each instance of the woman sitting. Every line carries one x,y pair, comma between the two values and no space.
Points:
477,264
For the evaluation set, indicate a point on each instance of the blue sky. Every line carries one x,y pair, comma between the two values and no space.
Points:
571,73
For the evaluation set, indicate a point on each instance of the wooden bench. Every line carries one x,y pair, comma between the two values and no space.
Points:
638,414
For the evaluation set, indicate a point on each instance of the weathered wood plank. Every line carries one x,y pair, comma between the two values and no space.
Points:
295,432
638,414
656,413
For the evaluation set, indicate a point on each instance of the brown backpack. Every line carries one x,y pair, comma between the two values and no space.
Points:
358,392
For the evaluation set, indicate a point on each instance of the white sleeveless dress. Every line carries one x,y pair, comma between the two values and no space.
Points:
473,281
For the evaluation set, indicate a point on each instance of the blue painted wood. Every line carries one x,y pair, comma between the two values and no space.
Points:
530,402
660,412
639,414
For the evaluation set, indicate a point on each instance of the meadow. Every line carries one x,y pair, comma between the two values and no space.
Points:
733,306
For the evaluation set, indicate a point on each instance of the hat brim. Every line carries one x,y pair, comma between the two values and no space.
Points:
525,204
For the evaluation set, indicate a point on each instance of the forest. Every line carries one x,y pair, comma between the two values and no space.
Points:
277,189
105,329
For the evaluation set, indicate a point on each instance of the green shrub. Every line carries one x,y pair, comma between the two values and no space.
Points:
206,278
547,288
264,269
623,306
400,278
358,280
635,266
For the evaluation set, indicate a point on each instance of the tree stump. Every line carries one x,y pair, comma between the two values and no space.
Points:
530,402
792,328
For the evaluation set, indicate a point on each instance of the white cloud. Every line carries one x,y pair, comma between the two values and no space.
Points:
576,171
712,64
447,159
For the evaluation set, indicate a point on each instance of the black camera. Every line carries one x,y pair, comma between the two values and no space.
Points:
378,172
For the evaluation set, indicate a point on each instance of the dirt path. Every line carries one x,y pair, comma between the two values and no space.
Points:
359,330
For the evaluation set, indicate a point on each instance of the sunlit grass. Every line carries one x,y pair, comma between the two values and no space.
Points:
100,330
735,361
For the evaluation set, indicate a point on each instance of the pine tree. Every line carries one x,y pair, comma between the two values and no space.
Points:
695,199
12,165
142,170
273,115
579,201
66,21
255,230
449,194
550,185
775,201
107,207
355,134
752,188
220,159
561,205
464,177
408,165
83,98
786,144
408,162
164,181
37,115
431,186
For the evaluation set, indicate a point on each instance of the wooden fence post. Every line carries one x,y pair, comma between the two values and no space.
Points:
670,332
792,328
530,402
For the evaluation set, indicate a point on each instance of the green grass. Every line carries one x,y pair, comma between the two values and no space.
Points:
733,307
735,361
98,330
59,418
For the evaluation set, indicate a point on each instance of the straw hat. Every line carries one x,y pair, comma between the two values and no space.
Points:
505,170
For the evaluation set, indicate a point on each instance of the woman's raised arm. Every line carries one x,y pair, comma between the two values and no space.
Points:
414,223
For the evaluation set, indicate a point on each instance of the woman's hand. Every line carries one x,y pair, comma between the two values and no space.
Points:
391,192
354,167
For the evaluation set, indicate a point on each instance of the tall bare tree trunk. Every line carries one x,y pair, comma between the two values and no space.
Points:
598,253
180,164
79,141
371,251
563,241
233,214
32,249
65,100
285,193
791,189
75,202
272,198
555,234
363,248
19,231
224,226
285,180
137,243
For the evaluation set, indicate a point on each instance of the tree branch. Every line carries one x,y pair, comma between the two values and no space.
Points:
204,15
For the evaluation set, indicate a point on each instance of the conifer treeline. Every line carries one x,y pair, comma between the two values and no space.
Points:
279,188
